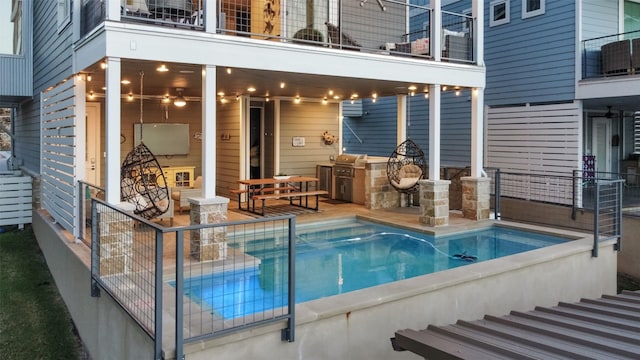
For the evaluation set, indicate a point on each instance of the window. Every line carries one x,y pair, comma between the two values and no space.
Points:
631,16
64,14
531,8
499,12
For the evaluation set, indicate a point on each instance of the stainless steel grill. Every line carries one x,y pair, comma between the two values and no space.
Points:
344,171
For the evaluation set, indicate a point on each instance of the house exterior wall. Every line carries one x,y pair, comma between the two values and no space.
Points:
377,127
532,60
308,120
52,63
17,70
599,18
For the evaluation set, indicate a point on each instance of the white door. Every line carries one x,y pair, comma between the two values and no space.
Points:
92,155
601,146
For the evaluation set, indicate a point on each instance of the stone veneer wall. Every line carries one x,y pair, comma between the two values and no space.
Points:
209,243
476,198
116,241
434,202
378,192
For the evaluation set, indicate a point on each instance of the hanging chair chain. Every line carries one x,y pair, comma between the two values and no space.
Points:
141,102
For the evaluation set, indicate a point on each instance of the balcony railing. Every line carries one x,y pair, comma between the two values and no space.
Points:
382,26
611,55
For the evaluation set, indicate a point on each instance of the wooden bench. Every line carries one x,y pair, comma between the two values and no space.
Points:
289,195
266,190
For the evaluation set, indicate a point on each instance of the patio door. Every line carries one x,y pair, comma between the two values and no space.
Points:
92,155
256,144
601,146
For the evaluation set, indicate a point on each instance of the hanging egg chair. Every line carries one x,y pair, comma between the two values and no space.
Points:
142,182
406,166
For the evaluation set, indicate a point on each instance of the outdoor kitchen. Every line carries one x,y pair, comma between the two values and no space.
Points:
359,179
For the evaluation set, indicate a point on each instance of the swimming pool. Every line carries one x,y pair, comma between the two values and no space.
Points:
343,256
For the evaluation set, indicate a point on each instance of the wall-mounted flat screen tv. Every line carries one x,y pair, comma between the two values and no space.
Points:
163,138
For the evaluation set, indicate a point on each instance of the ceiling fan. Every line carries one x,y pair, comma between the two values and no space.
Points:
609,114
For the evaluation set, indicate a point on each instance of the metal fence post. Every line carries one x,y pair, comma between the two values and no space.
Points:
95,250
157,334
619,186
574,201
289,333
179,294
496,192
596,217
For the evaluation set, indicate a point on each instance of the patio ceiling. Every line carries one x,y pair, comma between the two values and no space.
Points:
237,81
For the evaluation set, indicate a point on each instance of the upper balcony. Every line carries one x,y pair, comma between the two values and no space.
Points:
373,26
611,56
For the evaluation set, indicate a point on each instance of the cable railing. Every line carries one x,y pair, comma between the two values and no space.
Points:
235,276
591,203
386,27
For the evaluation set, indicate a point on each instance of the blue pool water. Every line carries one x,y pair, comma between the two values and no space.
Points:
338,257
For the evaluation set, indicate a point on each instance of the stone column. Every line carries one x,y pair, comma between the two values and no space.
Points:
209,243
116,239
378,192
475,197
434,202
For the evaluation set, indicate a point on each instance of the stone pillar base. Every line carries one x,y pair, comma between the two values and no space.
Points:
476,197
434,202
116,239
210,243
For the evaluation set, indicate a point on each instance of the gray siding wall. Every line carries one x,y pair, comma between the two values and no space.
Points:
17,70
599,18
52,63
377,127
308,120
531,60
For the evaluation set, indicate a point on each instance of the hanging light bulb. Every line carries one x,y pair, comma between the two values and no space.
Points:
180,101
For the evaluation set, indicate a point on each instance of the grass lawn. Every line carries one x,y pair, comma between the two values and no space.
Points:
34,322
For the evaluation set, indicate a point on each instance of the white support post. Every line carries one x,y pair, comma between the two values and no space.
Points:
113,10
210,15
112,120
276,137
209,103
80,99
436,29
477,131
478,31
401,117
434,132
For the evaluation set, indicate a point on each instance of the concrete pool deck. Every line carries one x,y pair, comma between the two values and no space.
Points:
355,325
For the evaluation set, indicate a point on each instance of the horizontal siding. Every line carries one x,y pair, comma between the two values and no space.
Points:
535,139
377,127
599,18
310,121
525,66
16,71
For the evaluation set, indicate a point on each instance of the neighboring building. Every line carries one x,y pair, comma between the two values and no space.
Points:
83,77
562,90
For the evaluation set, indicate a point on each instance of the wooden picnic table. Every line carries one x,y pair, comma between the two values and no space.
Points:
293,188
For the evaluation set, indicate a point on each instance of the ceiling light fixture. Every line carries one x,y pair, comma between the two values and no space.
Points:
251,89
125,82
162,68
88,77
103,65
412,87
180,101
444,88
166,99
426,95
282,85
324,101
228,70
130,97
267,99
91,94
297,100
